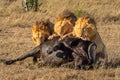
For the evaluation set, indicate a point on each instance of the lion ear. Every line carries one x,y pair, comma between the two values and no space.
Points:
47,20
70,19
33,28
37,22
57,19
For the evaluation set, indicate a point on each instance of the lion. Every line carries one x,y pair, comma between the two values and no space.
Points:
61,28
63,24
85,28
41,31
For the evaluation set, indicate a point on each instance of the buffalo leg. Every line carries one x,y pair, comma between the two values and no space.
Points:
31,53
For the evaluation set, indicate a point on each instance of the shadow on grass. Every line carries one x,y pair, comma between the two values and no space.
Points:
2,60
21,25
114,63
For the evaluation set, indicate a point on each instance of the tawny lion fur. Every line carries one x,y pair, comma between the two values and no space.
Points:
66,14
64,24
41,31
85,28
62,27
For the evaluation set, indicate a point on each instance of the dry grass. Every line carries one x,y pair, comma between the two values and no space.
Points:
15,39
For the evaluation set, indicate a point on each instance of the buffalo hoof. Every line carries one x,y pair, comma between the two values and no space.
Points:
9,62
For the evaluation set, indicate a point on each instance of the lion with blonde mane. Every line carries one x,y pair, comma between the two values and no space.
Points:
41,31
63,24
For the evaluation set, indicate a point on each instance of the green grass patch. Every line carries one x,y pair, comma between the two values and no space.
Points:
79,12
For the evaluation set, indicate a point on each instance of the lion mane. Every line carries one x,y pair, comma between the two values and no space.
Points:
85,28
64,24
41,31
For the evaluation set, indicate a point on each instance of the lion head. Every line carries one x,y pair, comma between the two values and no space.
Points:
85,28
64,24
41,31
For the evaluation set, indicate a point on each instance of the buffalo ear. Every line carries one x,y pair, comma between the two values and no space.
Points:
60,55
59,46
49,51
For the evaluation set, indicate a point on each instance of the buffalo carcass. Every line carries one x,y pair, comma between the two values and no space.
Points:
41,52
83,52
62,52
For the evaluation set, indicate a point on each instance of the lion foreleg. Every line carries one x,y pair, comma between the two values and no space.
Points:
52,36
66,35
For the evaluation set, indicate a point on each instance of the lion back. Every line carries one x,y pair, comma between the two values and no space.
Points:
66,14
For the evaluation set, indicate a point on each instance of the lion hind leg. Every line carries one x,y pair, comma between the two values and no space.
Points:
103,60
105,57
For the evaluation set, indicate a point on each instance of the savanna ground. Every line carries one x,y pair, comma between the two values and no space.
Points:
15,38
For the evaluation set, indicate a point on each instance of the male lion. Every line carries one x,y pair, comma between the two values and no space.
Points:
41,31
85,28
64,24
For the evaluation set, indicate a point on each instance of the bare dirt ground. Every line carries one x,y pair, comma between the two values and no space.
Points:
15,40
